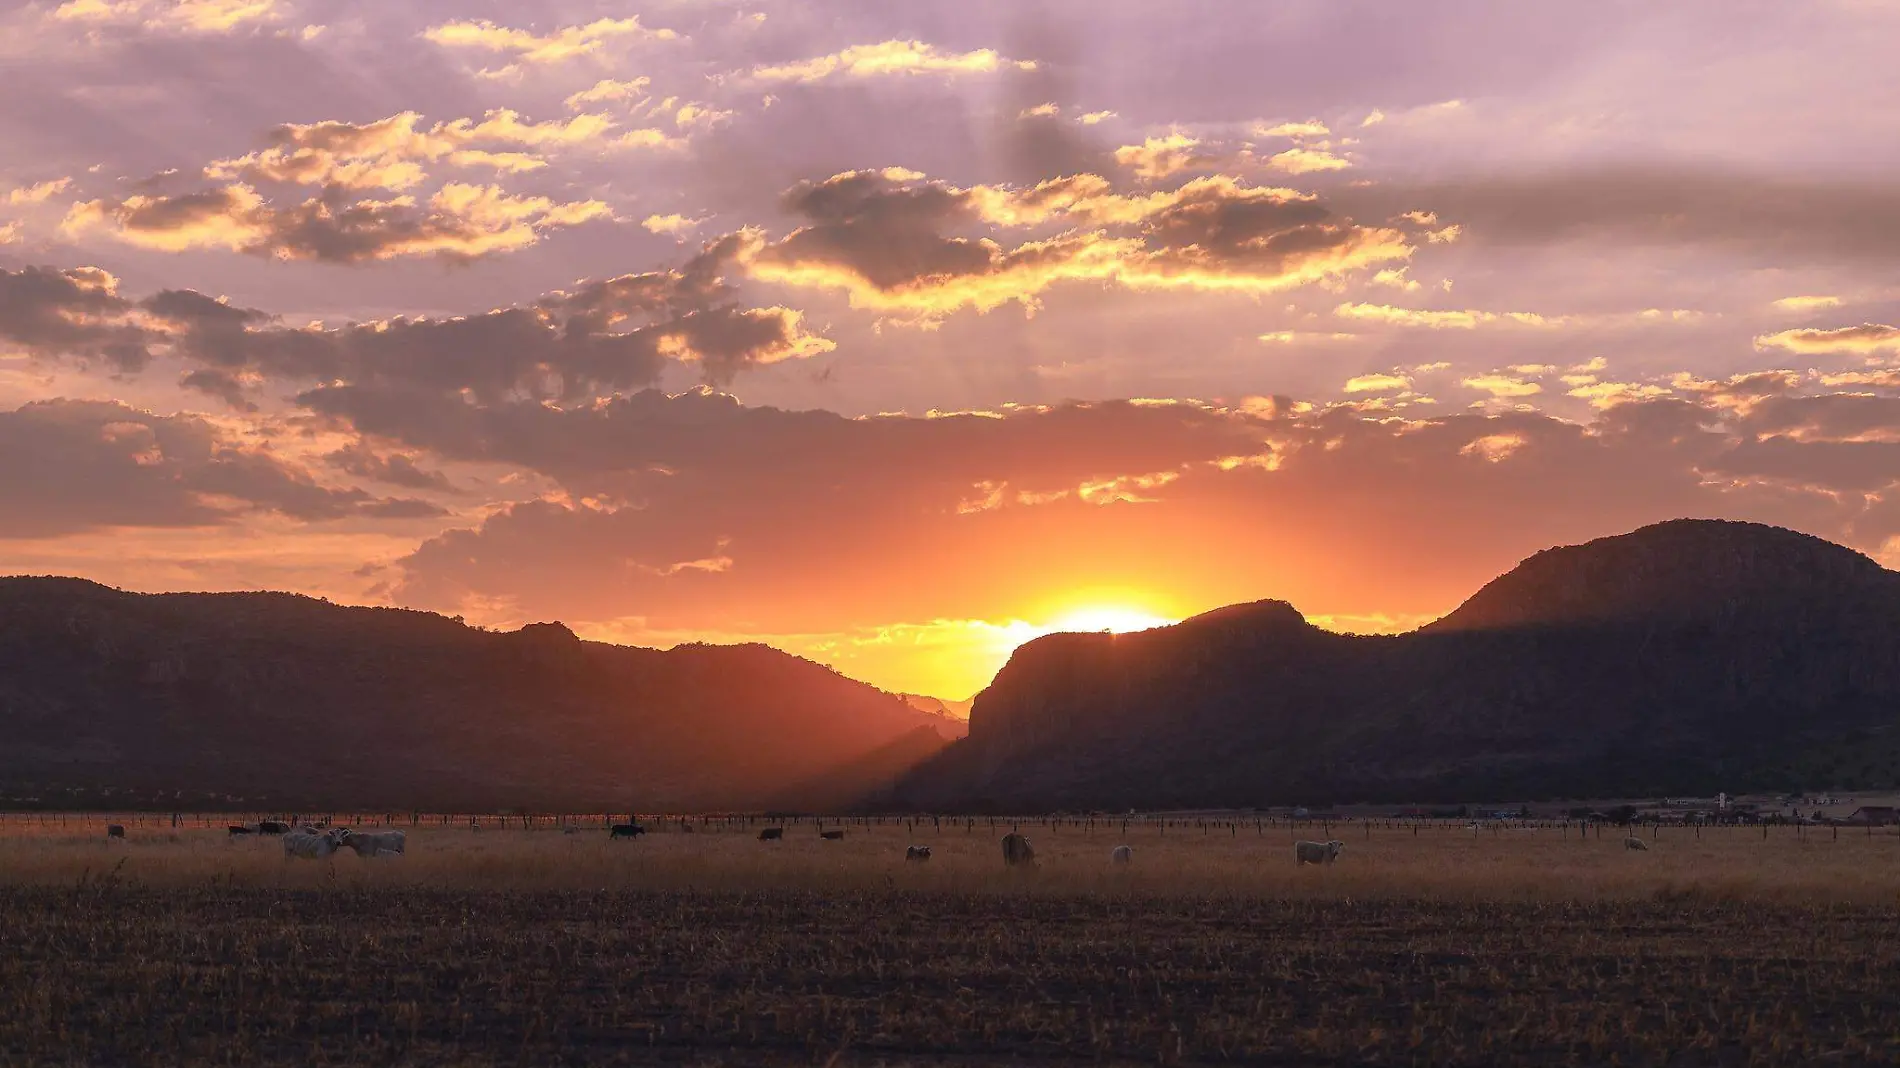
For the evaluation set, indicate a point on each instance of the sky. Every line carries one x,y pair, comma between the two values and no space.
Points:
895,334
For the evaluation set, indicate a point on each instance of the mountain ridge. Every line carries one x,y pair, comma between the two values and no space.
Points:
275,697
1688,656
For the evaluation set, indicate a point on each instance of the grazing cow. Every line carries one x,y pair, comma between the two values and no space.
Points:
626,830
309,845
1122,854
371,843
1316,852
917,852
1017,850
113,830
272,827
235,830
832,836
1633,842
771,834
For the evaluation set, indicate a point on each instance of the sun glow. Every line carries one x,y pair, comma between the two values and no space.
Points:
1106,617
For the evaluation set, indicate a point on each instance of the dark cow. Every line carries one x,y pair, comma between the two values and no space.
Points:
234,830
626,830
832,836
113,830
917,852
771,834
272,827
1017,851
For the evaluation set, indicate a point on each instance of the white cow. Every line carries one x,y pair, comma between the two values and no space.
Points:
1122,854
1633,842
372,843
309,845
1317,852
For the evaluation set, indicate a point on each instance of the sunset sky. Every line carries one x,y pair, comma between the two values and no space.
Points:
895,334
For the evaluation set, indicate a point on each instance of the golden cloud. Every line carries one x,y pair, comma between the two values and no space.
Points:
38,193
562,44
1866,339
607,90
1461,319
888,58
461,221
178,16
888,240
389,153
1159,157
1307,161
1807,304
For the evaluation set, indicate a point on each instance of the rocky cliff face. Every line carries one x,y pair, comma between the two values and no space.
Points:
283,700
1687,656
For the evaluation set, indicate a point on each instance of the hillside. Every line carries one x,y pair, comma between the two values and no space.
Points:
273,700
1690,656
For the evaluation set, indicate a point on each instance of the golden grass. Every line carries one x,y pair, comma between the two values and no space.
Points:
1438,861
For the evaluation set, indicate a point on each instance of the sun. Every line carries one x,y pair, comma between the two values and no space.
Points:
1118,619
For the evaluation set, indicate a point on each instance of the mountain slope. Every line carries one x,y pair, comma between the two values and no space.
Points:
286,700
1688,656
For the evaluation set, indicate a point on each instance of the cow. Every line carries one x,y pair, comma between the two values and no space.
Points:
1122,854
272,827
1018,851
1317,852
626,830
832,836
371,843
309,845
771,834
1633,842
113,830
236,830
917,853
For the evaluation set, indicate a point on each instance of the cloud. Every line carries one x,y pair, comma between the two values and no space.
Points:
170,16
1461,319
892,57
672,225
9,233
1377,383
1005,507
562,44
1771,220
390,153
572,346
75,466
1307,161
607,90
1309,128
1502,386
1866,339
1807,304
38,193
460,222
1159,157
889,240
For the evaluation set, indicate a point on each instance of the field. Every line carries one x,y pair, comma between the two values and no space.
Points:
1434,946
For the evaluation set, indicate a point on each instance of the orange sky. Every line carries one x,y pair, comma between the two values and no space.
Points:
894,335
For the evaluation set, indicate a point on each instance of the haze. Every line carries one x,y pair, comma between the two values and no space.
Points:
894,335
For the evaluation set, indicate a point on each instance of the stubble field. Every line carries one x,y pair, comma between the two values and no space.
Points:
1440,947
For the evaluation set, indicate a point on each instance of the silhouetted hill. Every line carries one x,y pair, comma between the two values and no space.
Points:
284,700
953,717
1690,656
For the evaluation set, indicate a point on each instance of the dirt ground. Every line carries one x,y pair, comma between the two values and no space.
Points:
1512,945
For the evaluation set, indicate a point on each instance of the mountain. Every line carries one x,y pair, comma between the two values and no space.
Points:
199,700
953,717
1686,657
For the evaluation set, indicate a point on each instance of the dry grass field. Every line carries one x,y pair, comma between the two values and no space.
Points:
1440,947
